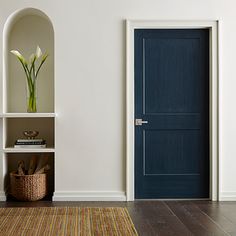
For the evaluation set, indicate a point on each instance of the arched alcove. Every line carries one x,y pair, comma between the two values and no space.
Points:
23,31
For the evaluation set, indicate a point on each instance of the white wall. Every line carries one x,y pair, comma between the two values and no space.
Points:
90,84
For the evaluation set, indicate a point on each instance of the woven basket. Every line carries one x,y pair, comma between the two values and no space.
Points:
28,187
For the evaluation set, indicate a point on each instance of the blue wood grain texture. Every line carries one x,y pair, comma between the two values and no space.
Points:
172,94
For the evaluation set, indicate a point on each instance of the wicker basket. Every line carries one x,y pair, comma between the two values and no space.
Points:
28,187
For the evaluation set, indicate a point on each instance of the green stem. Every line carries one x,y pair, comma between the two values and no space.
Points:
44,59
32,100
27,73
31,68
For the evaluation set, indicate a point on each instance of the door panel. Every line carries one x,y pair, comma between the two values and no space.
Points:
166,94
172,94
174,147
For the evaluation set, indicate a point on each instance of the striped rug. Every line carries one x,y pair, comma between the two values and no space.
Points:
66,221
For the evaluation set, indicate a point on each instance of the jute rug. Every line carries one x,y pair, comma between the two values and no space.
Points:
66,221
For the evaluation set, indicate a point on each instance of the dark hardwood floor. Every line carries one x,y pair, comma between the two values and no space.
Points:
178,218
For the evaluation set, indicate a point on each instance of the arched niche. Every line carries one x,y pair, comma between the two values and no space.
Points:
23,31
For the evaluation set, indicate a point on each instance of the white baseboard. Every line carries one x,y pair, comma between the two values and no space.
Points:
227,196
89,196
2,196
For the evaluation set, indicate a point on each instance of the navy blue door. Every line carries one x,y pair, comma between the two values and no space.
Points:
172,95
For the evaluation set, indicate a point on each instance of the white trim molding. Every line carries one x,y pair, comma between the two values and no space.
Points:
227,196
213,26
89,196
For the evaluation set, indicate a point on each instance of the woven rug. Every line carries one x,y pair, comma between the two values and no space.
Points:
66,221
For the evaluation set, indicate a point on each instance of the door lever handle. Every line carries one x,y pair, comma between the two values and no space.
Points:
139,122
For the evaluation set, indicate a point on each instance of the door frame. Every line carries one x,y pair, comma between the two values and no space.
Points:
214,97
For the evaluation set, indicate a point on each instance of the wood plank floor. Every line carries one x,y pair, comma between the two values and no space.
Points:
178,218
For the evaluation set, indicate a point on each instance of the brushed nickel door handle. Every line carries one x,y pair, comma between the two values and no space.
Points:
139,122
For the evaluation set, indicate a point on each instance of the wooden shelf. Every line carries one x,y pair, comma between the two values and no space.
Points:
27,115
27,150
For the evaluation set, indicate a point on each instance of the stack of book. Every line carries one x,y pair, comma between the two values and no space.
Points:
30,143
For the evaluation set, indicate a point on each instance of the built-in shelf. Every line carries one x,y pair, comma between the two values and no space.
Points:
14,127
27,115
13,115
28,150
11,159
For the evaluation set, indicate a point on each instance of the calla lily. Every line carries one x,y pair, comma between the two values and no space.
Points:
38,52
44,57
32,57
31,69
15,52
43,60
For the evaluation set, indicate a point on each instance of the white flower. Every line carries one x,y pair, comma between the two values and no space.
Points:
38,52
16,53
31,67
31,58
